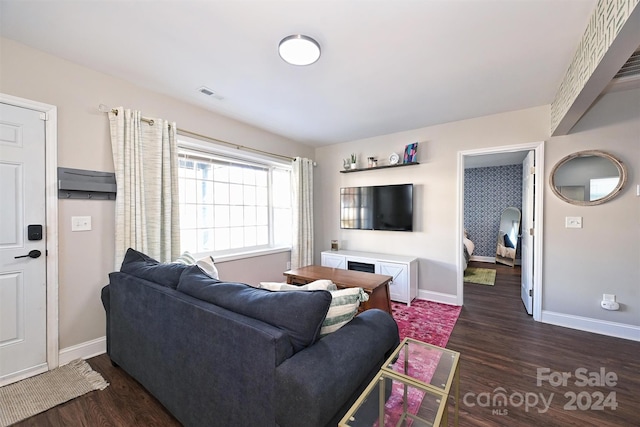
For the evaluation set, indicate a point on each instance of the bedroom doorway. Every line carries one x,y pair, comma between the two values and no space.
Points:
531,243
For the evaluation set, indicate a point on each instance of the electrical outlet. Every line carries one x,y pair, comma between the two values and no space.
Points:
288,265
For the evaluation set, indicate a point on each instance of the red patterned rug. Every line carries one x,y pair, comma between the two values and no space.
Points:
428,322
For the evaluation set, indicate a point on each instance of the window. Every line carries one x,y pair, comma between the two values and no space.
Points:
602,187
230,206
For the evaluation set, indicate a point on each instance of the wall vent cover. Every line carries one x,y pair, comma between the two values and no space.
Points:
205,90
631,67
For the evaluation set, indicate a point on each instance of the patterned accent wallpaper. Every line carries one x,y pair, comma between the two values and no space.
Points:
487,191
606,21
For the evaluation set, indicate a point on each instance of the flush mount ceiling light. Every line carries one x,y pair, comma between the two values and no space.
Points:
299,50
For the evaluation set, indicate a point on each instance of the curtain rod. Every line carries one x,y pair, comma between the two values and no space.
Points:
104,109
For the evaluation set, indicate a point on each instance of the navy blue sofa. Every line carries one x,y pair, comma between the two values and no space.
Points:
227,354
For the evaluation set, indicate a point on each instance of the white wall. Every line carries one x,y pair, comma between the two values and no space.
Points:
435,188
264,268
86,258
604,256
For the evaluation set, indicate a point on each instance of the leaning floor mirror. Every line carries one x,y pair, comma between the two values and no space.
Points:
508,236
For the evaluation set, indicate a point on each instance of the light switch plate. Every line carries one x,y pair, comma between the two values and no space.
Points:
80,223
573,222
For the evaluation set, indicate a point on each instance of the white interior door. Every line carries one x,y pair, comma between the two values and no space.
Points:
527,231
23,346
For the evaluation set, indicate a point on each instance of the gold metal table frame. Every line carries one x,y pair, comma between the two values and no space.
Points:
437,387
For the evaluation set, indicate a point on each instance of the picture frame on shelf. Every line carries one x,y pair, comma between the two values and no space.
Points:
410,153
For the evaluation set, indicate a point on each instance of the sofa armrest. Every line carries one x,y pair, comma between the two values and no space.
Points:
106,303
313,385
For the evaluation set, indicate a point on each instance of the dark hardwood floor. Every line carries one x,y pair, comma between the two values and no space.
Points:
501,349
124,403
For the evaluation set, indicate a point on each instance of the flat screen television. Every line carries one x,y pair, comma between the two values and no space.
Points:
381,207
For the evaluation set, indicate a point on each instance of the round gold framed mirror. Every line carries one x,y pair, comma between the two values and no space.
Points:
588,178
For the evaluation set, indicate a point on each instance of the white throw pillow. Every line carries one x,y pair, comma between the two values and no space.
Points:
272,286
208,267
318,285
343,308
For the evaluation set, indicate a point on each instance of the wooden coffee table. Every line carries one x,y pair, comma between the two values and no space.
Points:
376,285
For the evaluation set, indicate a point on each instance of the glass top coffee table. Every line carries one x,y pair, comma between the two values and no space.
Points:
412,388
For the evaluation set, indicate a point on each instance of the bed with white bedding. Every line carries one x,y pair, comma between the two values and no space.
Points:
467,248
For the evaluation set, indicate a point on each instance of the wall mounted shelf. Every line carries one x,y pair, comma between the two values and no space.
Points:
380,167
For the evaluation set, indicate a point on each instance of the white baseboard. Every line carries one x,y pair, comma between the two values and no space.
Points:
438,297
603,327
490,259
83,350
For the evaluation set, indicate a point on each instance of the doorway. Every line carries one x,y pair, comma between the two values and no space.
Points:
24,179
493,157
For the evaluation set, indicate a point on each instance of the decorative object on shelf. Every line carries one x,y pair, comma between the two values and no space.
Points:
334,245
410,152
372,162
394,159
346,164
354,160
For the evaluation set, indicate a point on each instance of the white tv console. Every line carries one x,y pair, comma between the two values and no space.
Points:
403,269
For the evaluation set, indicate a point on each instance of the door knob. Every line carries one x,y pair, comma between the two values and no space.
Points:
32,254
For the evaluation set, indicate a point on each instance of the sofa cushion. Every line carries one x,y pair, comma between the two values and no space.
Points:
300,314
344,307
144,267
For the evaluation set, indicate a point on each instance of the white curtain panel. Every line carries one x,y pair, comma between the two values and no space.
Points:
146,166
302,181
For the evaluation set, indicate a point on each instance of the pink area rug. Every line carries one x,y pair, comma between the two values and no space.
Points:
428,322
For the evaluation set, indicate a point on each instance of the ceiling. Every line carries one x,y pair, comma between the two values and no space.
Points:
386,66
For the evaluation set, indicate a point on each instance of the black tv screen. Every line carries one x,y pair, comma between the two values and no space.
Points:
381,207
